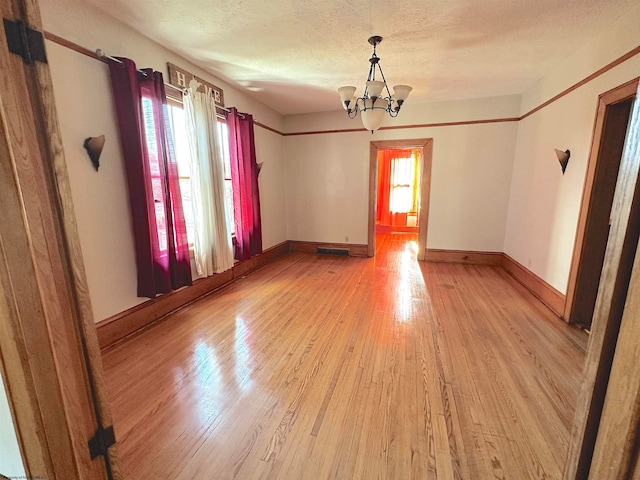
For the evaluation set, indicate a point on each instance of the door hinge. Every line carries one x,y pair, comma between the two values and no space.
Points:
24,41
101,441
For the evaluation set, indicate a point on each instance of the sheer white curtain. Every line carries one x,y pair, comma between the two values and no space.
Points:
402,176
212,243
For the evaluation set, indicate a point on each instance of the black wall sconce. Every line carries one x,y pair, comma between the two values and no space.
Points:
563,158
94,146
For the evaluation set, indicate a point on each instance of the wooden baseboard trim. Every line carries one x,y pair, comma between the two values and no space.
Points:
355,250
463,256
113,329
548,295
395,229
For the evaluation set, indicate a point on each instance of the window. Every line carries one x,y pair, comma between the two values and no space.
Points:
183,159
181,147
228,184
154,167
401,198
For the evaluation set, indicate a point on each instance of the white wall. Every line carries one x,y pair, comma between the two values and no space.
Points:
271,184
85,108
544,205
327,174
494,187
10,459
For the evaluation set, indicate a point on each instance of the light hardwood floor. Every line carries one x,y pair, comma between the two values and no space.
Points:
319,367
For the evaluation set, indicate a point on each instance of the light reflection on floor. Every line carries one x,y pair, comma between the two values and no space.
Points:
242,354
209,380
404,297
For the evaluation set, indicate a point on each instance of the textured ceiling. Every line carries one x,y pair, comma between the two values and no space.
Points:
292,55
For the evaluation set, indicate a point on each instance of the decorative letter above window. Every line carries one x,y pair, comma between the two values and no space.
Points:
180,78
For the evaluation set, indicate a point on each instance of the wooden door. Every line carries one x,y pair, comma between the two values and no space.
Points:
612,118
49,356
597,225
616,451
616,300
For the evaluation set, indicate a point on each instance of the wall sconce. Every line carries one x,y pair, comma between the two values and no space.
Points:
94,146
563,158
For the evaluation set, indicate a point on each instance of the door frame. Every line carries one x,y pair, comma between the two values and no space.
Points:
49,355
610,385
619,94
616,450
426,144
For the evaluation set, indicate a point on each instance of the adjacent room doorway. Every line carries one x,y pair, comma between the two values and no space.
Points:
399,182
398,190
604,439
612,119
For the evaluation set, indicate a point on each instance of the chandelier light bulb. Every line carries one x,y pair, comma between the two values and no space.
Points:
346,95
351,105
377,99
374,88
401,92
372,119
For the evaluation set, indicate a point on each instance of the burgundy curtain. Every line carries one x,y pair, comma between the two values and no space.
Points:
162,248
244,176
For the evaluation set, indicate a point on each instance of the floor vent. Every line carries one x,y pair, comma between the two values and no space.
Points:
333,251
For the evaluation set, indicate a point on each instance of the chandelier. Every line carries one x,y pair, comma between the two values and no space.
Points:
374,104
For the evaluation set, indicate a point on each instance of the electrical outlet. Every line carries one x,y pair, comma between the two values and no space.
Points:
346,238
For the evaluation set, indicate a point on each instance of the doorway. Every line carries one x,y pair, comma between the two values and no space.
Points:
612,119
423,149
398,192
601,444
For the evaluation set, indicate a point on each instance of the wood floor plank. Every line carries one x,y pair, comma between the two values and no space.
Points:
326,367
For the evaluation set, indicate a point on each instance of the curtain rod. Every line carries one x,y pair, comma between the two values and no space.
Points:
100,54
241,115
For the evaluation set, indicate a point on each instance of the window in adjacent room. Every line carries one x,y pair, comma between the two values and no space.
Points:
403,198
